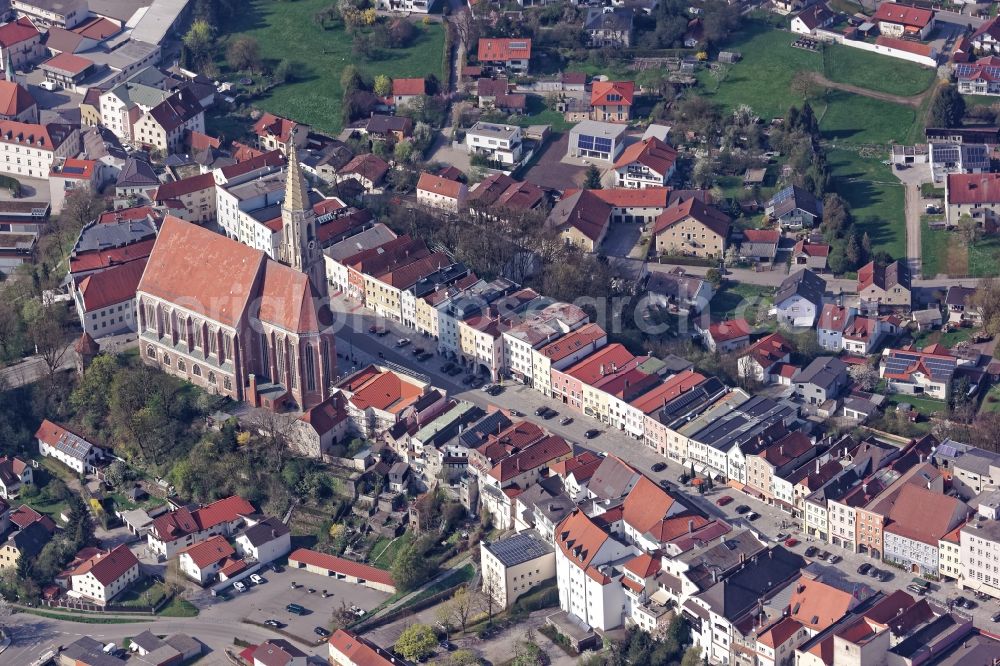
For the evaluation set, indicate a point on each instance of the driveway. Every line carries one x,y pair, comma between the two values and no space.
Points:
442,151
551,172
912,178
621,239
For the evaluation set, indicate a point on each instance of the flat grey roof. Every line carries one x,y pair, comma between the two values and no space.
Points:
520,548
158,20
596,128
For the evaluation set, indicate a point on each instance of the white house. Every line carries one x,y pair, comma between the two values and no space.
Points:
265,541
103,575
184,527
799,299
647,163
593,140
833,320
497,143
68,448
437,192
587,591
202,561
515,565
14,473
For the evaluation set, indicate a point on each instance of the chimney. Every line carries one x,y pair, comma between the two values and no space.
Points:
690,526
864,488
817,466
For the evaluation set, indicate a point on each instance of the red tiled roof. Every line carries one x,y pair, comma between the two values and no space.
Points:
833,317
769,350
539,454
208,552
408,87
579,538
582,466
109,287
356,650
341,566
655,398
818,605
75,169
811,249
125,214
646,506
108,566
906,45
178,188
776,634
973,188
630,197
652,153
14,99
97,28
17,31
68,62
710,217
496,50
44,137
181,522
272,125
600,92
438,185
386,391
730,329
762,235
571,342
892,12
604,360
643,565
24,515
326,415
90,261
584,211
232,567
268,159
367,165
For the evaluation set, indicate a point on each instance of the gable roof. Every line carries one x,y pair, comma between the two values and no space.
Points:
533,457
442,186
584,211
17,31
276,126
342,566
601,93
884,277
833,317
495,50
652,153
62,439
137,173
367,165
811,249
181,522
708,216
357,650
178,188
177,109
804,283
768,350
924,515
108,566
892,12
265,531
793,198
109,287
730,329
208,552
216,282
818,605
580,538
408,87
816,15
612,478
14,99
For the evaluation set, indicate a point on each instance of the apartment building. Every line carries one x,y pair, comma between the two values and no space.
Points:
28,149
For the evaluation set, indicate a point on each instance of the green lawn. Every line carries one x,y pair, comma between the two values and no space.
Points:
762,79
875,196
984,258
144,594
384,557
980,100
285,30
179,608
733,299
876,72
539,114
934,245
855,119
922,405
992,401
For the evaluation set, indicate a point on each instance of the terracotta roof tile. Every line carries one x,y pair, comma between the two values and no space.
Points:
340,565
108,566
601,93
109,287
497,50
208,552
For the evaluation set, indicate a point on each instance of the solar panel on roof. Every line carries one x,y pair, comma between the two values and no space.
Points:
74,170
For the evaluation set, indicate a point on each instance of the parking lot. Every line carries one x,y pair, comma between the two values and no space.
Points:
268,601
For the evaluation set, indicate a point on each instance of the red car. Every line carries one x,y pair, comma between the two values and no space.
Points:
724,500
791,542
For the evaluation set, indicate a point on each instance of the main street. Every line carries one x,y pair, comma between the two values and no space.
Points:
353,338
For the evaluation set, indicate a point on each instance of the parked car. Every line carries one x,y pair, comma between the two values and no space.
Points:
566,420
540,410
592,433
791,542
402,342
495,390
486,388
240,587
834,559
274,623
864,568
811,551
724,500
659,467
320,631
277,568
742,508
995,617
448,646
752,516
424,356
294,585
823,555
549,413
256,578
874,573
455,370
663,483
515,413
296,609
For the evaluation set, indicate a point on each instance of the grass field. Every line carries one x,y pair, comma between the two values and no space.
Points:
875,196
934,248
734,299
943,253
844,64
539,114
855,119
763,79
386,550
984,258
285,30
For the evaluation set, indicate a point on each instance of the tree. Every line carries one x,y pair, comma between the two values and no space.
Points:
409,569
200,40
805,85
462,658
285,72
493,590
417,642
864,375
47,332
6,610
692,657
457,610
714,277
592,179
243,53
987,300
117,474
383,85
947,107
527,653
968,230
80,526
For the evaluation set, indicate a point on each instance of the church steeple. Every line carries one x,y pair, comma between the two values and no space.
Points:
8,68
299,245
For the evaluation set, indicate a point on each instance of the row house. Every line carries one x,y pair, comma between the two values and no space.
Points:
384,288
361,265
441,193
335,255
462,305
788,453
884,287
193,198
540,329
563,353
634,206
660,430
518,471
480,336
28,149
635,413
568,385
446,275
378,398
166,126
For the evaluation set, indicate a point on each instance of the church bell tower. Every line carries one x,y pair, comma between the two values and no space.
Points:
300,247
